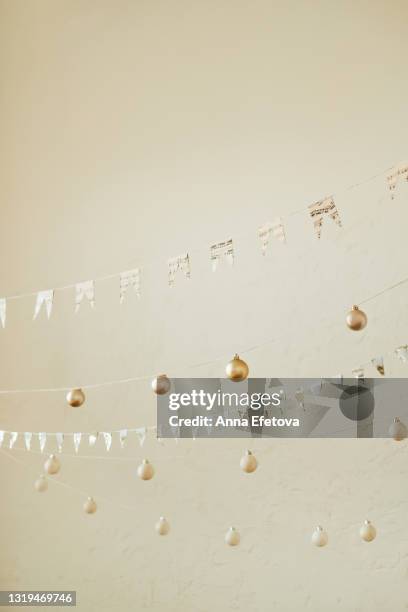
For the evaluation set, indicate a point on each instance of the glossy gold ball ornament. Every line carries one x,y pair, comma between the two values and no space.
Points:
41,484
248,463
319,537
356,319
398,430
52,465
145,471
90,506
368,532
161,384
232,537
162,526
75,398
237,370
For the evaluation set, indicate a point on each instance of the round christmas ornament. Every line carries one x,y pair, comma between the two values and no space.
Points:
75,398
162,526
356,319
90,506
41,484
52,465
237,370
398,430
232,537
248,463
145,471
161,384
367,532
319,537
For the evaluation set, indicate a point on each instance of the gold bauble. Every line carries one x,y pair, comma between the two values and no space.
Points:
232,537
398,430
162,526
90,506
52,465
75,398
356,319
319,537
145,471
237,370
161,384
367,532
248,463
41,484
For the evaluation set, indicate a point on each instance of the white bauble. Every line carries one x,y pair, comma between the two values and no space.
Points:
248,463
90,506
162,526
41,484
398,430
367,532
232,537
52,465
319,537
145,471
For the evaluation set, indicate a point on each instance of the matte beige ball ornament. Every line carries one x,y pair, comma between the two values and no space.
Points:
368,532
232,537
41,484
90,506
398,430
162,526
52,465
75,398
161,384
319,537
356,319
145,471
237,370
248,463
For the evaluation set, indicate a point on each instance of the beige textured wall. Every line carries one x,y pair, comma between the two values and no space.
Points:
132,131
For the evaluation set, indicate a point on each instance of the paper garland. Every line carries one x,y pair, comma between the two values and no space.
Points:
3,307
398,172
275,229
320,210
131,278
180,263
44,297
84,290
222,250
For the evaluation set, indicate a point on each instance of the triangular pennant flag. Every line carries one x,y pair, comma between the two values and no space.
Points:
13,438
358,372
92,439
123,434
300,398
77,440
44,297
27,438
322,208
141,434
398,172
378,363
402,353
180,263
275,229
220,251
42,438
60,441
1,438
85,289
108,439
130,278
3,307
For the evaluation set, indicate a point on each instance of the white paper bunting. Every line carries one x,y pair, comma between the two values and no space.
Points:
400,172
92,438
42,438
77,440
108,439
358,372
319,210
130,278
13,438
3,308
85,289
141,434
275,229
123,434
180,263
44,297
220,251
60,441
27,439
378,363
402,353
1,438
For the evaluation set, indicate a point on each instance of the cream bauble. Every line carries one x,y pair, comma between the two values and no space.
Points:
248,462
237,370
41,484
319,537
145,471
90,506
232,537
398,430
356,319
52,465
161,384
75,398
162,526
367,532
